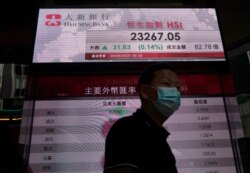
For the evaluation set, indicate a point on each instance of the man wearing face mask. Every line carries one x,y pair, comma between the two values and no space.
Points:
138,143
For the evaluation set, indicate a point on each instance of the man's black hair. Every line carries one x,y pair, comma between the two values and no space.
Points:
147,75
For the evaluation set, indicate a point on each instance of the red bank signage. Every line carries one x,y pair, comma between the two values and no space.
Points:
53,20
113,86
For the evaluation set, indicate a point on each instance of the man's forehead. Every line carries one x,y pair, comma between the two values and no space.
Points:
166,74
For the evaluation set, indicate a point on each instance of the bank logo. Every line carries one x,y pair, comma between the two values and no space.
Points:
53,20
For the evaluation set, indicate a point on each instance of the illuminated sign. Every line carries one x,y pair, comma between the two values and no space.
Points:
124,34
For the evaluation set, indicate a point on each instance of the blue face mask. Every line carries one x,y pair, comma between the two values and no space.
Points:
168,100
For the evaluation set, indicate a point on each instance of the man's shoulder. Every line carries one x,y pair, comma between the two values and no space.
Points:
124,122
130,121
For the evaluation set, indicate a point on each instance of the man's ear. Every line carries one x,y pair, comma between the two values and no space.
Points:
143,91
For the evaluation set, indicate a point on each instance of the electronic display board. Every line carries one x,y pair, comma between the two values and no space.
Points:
68,133
127,34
